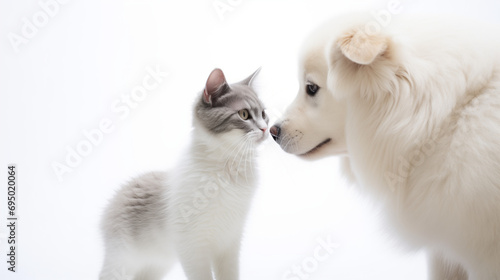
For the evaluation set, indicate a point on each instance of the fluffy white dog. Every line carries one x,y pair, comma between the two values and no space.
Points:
415,107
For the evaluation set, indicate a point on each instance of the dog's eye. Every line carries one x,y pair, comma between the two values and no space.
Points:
312,89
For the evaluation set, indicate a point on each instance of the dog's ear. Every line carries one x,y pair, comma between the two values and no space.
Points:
360,47
349,53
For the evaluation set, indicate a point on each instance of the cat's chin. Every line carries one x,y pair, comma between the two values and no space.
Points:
259,139
264,137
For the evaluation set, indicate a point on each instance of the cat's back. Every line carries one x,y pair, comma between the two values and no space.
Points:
139,204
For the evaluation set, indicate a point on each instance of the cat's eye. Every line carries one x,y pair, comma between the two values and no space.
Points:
263,114
312,89
244,114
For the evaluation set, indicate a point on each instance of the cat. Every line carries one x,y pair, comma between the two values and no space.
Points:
194,213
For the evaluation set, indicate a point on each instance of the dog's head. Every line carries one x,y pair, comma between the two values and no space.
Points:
344,56
313,125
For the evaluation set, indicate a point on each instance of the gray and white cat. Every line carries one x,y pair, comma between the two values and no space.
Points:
196,212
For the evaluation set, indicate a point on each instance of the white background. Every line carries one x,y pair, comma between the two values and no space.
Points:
66,77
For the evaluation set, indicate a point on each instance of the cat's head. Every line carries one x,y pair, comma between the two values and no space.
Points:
231,112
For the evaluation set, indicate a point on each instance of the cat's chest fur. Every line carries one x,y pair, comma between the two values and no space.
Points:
213,189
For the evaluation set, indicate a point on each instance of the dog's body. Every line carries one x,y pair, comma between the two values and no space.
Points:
420,102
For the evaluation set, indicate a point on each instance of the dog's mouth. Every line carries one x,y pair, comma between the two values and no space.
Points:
313,150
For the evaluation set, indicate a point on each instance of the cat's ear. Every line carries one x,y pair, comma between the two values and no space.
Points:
215,86
248,81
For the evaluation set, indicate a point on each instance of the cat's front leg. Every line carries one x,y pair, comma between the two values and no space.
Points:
227,264
442,269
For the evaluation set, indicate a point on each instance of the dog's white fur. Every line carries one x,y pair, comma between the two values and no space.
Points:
420,102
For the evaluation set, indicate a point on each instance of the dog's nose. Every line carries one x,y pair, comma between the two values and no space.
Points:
275,132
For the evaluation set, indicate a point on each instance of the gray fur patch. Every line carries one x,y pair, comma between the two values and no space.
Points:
222,115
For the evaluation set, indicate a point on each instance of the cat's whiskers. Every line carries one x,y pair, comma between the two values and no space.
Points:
252,155
243,153
249,155
238,145
242,158
227,155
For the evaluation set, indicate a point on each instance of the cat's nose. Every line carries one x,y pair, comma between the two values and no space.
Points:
275,132
264,129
